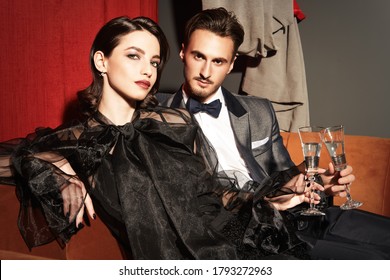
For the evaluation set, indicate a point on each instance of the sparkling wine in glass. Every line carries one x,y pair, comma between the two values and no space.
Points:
310,137
333,138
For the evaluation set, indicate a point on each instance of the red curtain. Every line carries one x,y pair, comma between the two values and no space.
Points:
44,48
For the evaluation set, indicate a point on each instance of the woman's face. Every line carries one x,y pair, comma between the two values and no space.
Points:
131,69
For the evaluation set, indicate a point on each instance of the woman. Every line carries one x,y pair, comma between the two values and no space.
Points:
148,170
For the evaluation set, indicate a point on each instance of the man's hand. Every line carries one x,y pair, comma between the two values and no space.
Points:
334,182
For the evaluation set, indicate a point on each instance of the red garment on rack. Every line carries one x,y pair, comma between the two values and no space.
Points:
298,12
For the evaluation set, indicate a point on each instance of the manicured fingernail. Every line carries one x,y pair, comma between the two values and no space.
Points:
80,226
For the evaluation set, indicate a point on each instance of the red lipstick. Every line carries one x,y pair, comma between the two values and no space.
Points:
143,83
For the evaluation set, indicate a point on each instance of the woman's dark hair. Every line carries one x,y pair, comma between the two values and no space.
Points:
218,21
105,41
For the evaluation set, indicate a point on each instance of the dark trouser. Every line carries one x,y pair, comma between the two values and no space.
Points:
346,235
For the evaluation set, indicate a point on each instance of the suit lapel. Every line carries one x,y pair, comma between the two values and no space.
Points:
239,119
177,101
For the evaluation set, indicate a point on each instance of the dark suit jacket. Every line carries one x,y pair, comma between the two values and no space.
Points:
255,128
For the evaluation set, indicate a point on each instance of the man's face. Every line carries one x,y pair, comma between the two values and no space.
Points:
207,59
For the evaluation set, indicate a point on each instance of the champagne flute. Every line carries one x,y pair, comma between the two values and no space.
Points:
333,138
310,137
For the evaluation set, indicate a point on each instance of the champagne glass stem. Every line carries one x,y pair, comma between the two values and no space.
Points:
349,198
311,180
350,203
312,211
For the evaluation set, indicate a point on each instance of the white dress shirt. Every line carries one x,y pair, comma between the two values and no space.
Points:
220,134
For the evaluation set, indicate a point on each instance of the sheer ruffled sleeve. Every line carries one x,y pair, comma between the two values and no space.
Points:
45,183
266,232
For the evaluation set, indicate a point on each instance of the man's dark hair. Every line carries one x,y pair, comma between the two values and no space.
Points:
218,21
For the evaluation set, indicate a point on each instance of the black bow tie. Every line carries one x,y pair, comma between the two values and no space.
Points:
213,108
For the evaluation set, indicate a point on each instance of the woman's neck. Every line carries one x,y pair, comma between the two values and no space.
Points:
119,112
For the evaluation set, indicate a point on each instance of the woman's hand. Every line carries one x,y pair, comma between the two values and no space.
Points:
301,194
75,196
334,182
75,200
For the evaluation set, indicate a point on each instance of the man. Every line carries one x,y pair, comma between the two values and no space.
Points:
245,133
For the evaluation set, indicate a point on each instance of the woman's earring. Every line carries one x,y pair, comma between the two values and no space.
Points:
102,74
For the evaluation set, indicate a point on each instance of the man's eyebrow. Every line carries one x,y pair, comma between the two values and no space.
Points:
195,52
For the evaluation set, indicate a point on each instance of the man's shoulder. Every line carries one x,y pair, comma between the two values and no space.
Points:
164,97
250,100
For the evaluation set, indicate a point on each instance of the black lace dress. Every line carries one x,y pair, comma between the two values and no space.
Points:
153,183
